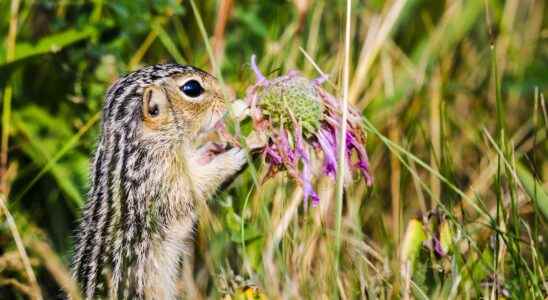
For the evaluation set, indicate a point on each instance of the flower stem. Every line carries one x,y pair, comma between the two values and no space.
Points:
342,141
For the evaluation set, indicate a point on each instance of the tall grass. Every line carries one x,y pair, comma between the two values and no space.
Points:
453,99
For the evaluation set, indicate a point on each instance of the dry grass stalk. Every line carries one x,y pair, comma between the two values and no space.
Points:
8,91
23,288
56,268
223,15
435,131
367,58
37,294
395,175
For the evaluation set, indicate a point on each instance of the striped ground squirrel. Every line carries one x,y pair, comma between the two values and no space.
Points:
147,176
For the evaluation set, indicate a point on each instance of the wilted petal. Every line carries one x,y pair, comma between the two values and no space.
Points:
251,100
329,99
363,160
271,154
306,176
333,122
329,151
308,192
334,138
299,144
320,80
363,166
260,77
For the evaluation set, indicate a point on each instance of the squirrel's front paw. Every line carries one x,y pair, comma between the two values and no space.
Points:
236,156
218,172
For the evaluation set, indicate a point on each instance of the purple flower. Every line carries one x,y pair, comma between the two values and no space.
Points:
300,118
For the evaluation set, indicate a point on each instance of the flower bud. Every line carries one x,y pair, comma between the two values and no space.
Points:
412,241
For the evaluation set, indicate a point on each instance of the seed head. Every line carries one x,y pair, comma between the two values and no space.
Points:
292,99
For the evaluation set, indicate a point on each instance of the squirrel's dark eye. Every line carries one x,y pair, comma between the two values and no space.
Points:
192,88
153,110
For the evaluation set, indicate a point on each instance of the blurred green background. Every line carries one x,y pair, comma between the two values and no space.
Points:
454,90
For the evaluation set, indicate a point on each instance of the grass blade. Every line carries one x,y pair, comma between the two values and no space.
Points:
534,189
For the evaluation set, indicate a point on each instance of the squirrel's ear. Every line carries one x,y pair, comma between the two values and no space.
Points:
155,107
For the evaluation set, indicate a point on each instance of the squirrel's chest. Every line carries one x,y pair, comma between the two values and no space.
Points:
165,258
181,177
178,193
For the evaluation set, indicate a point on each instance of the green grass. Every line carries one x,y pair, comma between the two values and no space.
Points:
453,99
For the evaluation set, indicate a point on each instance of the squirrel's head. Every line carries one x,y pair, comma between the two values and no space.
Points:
164,105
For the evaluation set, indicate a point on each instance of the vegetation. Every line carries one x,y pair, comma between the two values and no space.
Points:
452,95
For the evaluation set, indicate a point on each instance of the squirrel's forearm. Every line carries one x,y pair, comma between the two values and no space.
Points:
209,177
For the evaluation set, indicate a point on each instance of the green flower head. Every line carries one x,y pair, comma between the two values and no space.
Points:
290,99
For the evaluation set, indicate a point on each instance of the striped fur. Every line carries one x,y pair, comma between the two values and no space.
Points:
140,207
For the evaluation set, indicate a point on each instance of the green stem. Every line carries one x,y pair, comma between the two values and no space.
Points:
203,32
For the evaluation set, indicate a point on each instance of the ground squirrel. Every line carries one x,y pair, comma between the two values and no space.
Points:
147,176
